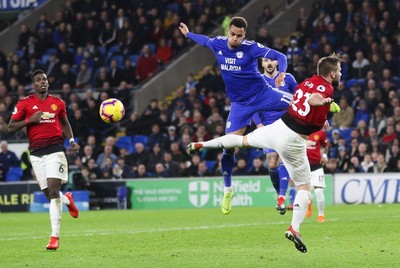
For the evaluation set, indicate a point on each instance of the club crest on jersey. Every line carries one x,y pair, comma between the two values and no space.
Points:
239,54
53,107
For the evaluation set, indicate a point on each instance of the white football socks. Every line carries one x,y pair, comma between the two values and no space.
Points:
228,190
300,208
64,199
227,141
319,194
55,216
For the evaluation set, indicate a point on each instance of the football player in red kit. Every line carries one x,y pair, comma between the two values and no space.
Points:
307,113
45,119
317,142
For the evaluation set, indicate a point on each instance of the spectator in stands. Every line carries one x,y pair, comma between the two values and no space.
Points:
392,156
345,118
8,159
134,125
129,73
141,172
130,44
170,165
258,168
83,76
241,168
108,35
155,156
266,16
64,55
66,76
121,170
367,165
202,170
362,113
360,65
115,74
146,66
107,153
140,155
87,154
156,136
380,166
94,170
161,171
164,51
378,120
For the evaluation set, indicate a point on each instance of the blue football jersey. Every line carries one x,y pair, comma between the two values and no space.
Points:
287,89
239,66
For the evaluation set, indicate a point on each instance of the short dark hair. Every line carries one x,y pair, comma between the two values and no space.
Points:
239,22
328,64
36,72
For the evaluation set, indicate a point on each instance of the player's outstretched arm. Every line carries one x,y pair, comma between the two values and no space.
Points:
317,99
198,38
184,29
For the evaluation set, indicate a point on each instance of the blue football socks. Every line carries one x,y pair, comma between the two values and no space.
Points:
227,163
274,174
283,179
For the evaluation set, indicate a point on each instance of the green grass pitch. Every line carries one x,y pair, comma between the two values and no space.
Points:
352,236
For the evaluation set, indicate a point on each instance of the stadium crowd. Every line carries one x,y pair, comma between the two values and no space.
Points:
121,49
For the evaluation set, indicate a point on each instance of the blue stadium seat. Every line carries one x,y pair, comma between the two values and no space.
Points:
125,142
346,134
152,47
45,58
210,165
134,59
141,138
102,50
20,53
174,7
51,51
112,51
253,153
14,174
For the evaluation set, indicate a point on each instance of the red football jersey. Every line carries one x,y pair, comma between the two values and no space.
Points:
314,143
48,131
304,112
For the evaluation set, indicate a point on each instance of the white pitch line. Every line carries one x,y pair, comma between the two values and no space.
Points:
91,233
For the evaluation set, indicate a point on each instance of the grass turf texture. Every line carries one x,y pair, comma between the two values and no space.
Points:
352,236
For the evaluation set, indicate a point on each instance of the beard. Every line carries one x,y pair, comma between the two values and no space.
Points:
335,83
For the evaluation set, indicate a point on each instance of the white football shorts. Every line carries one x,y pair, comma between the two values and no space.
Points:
318,178
290,146
54,165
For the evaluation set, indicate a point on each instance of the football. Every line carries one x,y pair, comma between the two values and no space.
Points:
112,110
334,108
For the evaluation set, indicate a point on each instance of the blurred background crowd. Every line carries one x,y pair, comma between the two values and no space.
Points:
95,50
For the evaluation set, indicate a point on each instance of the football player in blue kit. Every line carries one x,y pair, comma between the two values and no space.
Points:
247,89
277,170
